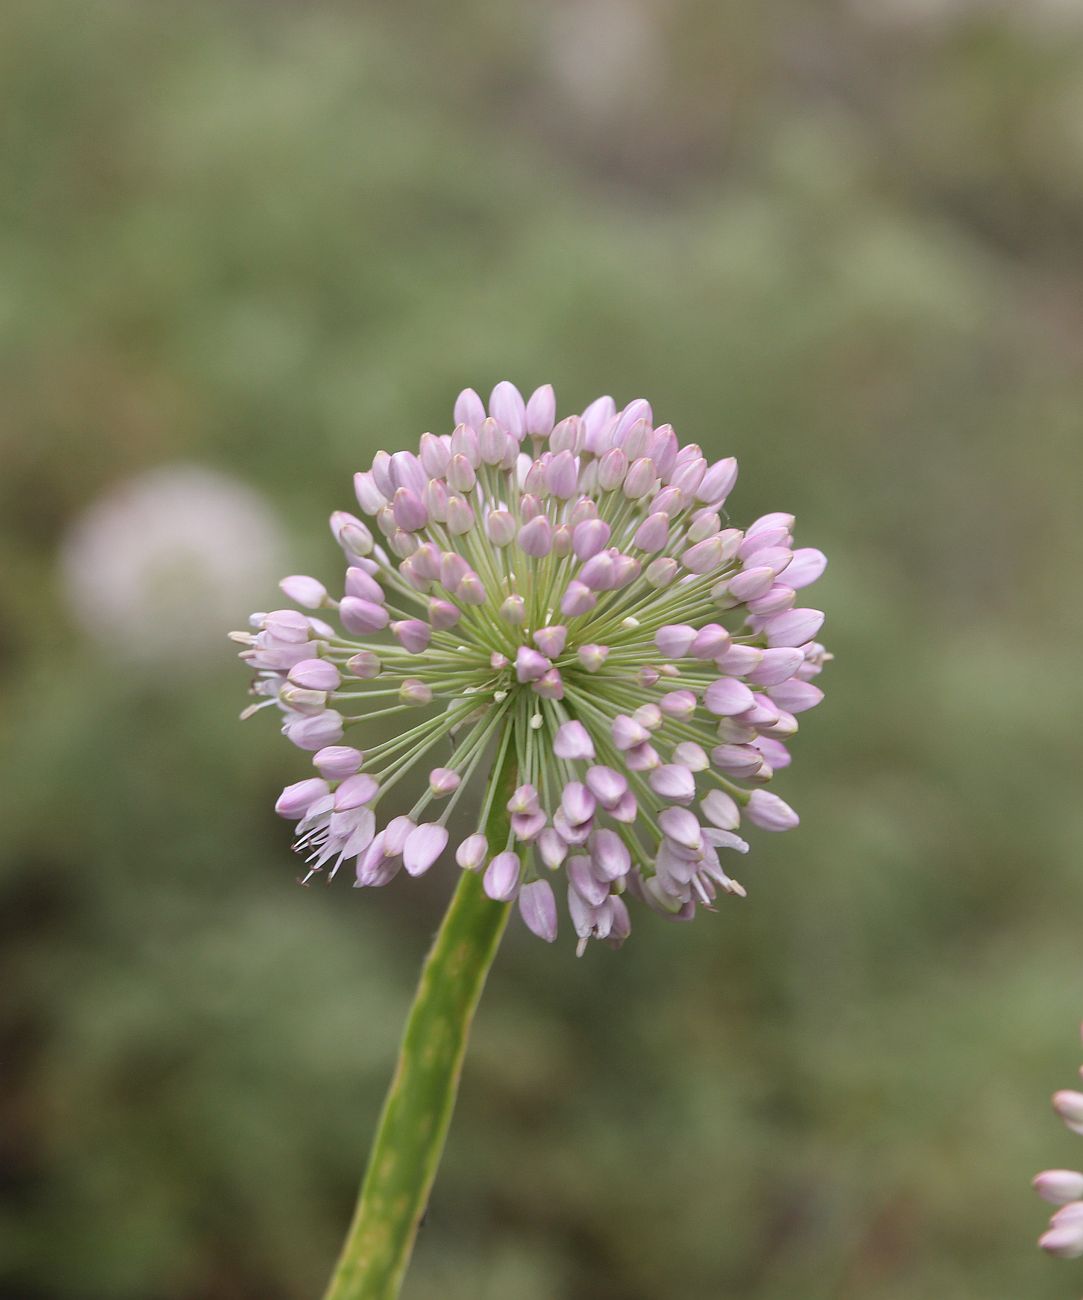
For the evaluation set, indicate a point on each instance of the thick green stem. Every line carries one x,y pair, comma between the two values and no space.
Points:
417,1111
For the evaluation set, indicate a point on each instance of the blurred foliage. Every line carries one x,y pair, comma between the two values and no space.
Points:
842,242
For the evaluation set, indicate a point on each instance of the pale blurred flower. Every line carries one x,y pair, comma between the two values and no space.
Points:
155,568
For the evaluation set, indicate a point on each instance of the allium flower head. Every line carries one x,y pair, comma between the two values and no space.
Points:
1064,1188
568,593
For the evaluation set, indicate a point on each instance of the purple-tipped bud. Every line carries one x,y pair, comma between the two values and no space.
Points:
513,611
794,627
577,803
442,615
778,598
536,537
472,852
653,533
649,716
673,781
500,527
362,616
305,591
453,568
530,666
590,538
416,692
550,640
541,410
302,700
625,809
315,732
606,785
364,664
612,468
287,625
434,454
627,732
369,496
711,641
461,476
562,476
527,826
465,443
493,443
1069,1106
661,571
674,640
1065,1240
295,800
691,755
1059,1186
336,762
592,656
573,741
578,599
599,572
469,409
796,696
776,666
409,510
609,855
524,799
640,478
355,792
720,809
443,781
501,880
642,758
678,704
412,634
538,908
460,516
751,583
471,591
506,405
551,848
727,696
550,686
769,813
718,481
363,586
423,846
680,825
705,556
584,880
739,660
806,566
315,675
737,760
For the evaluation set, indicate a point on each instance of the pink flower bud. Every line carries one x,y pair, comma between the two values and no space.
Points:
443,781
295,800
538,908
364,664
675,640
315,675
551,640
573,741
606,785
501,880
673,781
336,762
362,616
305,591
1059,1186
536,537
727,696
471,852
530,666
412,634
423,846
506,405
769,813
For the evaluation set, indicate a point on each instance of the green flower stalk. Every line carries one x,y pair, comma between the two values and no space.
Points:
556,617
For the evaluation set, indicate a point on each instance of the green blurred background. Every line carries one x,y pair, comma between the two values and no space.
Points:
841,241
